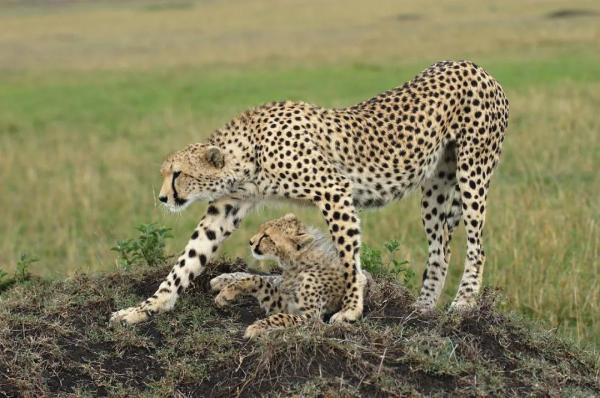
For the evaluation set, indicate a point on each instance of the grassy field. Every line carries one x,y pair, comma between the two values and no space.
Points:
94,95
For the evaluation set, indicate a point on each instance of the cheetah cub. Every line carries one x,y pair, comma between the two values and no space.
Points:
312,282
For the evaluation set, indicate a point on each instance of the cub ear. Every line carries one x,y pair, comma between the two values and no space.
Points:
214,156
290,217
302,240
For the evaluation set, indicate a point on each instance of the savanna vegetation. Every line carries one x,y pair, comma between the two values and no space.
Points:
94,94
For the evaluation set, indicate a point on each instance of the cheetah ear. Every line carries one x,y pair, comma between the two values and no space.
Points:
214,156
290,217
303,240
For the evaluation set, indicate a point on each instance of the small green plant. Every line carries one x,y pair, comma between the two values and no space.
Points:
22,273
148,247
5,281
387,263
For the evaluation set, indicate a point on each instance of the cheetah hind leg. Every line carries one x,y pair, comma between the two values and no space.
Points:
474,187
474,218
440,213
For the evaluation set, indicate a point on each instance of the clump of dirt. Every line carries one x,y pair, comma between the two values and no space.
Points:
55,339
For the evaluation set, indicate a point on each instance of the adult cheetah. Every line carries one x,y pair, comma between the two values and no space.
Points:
442,131
311,283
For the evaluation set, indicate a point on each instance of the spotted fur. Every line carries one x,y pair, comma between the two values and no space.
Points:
442,132
312,282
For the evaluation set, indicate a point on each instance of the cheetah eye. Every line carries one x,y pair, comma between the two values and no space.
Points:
265,236
176,174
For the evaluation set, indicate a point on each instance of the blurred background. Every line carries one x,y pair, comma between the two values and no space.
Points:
93,95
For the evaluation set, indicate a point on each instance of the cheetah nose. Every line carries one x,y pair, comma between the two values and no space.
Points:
163,199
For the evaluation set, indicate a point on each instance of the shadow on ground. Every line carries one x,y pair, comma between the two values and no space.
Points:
54,339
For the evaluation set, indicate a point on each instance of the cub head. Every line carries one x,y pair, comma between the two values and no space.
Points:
197,172
280,239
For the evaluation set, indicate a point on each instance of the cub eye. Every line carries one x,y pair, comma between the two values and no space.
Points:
264,237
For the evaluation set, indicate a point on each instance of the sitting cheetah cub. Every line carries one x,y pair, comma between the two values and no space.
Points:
311,284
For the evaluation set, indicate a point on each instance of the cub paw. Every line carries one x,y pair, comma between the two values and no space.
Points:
225,297
219,282
254,331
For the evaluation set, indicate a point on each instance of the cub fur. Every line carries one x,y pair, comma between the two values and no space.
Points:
312,282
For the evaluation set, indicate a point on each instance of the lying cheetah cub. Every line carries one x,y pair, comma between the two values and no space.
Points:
311,284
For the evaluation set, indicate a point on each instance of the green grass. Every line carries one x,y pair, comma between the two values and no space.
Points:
93,97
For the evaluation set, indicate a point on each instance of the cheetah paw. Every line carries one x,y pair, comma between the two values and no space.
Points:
462,305
254,331
128,316
224,298
219,282
424,307
345,316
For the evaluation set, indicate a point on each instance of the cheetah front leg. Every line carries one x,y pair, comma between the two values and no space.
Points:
223,216
274,322
344,226
261,287
219,282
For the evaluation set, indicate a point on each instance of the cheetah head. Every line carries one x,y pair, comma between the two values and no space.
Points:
198,172
281,239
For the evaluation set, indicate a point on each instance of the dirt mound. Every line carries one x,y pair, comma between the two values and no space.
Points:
55,339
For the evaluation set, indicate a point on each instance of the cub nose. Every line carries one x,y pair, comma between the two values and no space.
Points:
163,199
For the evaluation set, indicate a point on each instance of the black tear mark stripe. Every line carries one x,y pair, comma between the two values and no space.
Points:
260,240
176,197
